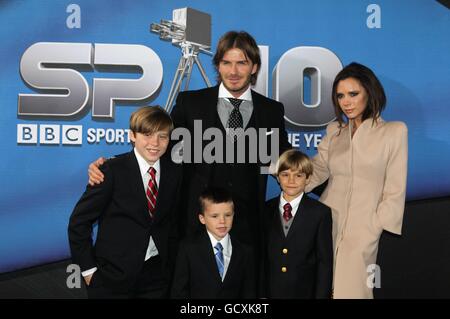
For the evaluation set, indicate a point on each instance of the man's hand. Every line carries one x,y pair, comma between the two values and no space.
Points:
87,279
95,175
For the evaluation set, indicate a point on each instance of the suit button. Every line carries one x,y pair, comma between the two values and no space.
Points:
285,251
283,269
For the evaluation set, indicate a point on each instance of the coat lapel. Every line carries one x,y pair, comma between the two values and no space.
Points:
208,114
209,258
164,192
137,186
276,224
235,256
257,109
260,122
208,109
299,216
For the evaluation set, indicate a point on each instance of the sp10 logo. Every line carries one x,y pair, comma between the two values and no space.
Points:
44,66
297,68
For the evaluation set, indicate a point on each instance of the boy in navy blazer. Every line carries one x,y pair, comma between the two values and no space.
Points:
135,210
211,264
299,246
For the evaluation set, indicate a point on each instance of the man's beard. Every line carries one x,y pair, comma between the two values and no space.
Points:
241,88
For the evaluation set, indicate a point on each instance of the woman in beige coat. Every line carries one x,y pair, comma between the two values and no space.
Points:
365,161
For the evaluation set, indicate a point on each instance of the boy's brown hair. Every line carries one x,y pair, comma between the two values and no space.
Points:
150,119
215,195
294,160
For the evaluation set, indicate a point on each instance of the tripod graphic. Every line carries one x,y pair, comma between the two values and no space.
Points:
188,58
191,31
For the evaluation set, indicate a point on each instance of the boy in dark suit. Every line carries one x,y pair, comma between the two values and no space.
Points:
299,246
135,209
211,264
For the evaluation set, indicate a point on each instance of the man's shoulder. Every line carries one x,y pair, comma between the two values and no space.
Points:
264,99
200,92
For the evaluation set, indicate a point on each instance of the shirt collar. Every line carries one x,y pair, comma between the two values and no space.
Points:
225,94
225,241
294,203
144,166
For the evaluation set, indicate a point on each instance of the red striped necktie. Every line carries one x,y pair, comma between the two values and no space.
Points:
287,215
152,192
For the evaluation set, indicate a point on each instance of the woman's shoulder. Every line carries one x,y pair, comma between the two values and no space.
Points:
333,127
396,127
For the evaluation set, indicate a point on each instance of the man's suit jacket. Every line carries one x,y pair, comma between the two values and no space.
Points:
119,205
202,105
306,252
196,275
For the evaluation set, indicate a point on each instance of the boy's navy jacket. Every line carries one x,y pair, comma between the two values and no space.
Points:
197,277
119,205
305,254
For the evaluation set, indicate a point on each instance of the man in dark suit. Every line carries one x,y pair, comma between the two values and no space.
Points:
135,210
299,246
231,104
211,264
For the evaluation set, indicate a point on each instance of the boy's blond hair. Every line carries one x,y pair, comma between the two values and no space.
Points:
150,119
294,160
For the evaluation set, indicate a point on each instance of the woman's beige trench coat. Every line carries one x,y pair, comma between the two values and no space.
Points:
366,192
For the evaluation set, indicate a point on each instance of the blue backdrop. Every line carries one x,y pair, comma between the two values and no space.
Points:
405,42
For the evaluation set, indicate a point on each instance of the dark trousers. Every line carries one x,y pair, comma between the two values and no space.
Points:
151,283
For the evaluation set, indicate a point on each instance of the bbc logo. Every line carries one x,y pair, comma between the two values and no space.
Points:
49,134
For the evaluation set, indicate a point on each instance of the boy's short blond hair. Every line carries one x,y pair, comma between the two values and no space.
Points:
294,160
150,119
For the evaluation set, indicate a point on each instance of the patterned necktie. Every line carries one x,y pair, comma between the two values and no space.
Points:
287,212
235,120
152,191
219,258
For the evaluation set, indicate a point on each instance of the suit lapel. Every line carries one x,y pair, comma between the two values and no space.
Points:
136,184
208,114
208,109
164,192
276,223
209,258
234,260
257,109
299,216
258,112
